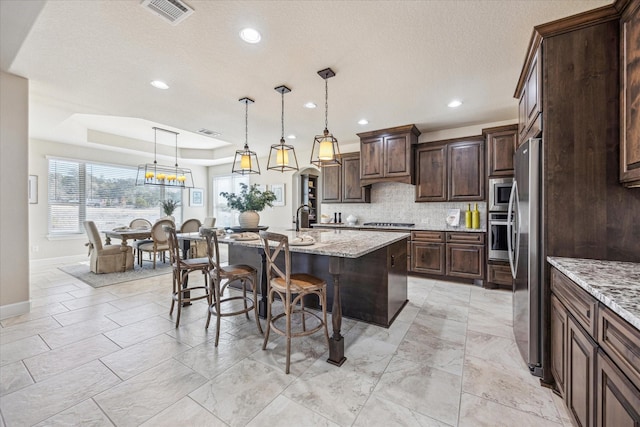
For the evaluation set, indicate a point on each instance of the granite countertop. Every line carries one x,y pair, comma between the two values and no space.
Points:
340,243
420,227
616,284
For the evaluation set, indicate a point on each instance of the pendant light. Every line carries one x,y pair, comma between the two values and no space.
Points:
325,151
245,160
165,176
282,157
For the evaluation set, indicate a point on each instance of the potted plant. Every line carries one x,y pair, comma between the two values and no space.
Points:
249,202
169,206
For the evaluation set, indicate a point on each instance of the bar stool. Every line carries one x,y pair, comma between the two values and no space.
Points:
229,273
291,289
181,269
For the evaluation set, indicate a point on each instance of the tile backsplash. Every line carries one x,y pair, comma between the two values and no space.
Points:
394,202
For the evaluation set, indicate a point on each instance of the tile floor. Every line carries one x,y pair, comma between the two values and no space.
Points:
112,356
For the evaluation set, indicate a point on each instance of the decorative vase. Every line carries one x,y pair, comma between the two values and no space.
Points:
249,219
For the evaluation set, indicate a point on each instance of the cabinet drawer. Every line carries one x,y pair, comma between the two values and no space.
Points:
499,274
472,238
428,236
579,303
621,342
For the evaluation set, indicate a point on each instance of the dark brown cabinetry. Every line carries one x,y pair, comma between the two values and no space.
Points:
501,144
530,99
450,170
387,155
341,184
500,274
599,380
630,95
428,252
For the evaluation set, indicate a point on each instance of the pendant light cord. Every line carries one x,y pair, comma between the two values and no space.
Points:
326,104
246,125
282,119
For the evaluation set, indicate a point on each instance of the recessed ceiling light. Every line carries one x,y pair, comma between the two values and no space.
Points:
292,136
310,105
363,122
454,104
250,35
159,84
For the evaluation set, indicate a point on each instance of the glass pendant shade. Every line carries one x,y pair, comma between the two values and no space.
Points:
165,176
246,161
282,157
325,151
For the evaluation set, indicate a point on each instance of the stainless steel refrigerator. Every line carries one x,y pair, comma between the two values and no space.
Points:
525,252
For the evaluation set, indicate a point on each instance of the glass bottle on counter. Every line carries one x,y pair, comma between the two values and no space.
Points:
475,218
467,217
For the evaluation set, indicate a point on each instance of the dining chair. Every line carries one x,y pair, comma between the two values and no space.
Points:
140,223
197,248
228,273
106,258
209,221
291,288
158,244
182,292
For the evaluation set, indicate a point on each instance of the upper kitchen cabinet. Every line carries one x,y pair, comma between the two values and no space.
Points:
530,99
341,184
630,95
501,144
387,155
450,170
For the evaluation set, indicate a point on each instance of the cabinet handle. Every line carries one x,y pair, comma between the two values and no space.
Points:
393,260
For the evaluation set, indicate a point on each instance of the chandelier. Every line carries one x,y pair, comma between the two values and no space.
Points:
282,157
165,176
325,151
245,160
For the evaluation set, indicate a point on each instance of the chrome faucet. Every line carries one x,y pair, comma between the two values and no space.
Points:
298,216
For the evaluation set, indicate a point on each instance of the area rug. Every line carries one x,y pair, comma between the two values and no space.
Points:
81,271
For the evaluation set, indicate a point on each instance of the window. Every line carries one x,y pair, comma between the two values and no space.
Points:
105,194
225,217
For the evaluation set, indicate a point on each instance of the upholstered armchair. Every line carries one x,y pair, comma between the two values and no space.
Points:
106,258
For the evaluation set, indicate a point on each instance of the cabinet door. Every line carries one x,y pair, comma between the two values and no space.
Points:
466,170
428,258
500,274
331,184
432,174
618,400
397,155
500,148
371,158
532,92
352,192
630,96
580,379
558,343
465,261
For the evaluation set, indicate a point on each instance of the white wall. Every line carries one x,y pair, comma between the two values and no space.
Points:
14,153
41,245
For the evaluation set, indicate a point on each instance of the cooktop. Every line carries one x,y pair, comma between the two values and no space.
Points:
389,224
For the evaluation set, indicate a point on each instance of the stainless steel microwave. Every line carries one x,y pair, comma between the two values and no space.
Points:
499,192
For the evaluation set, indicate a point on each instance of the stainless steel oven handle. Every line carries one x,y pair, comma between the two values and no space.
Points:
510,225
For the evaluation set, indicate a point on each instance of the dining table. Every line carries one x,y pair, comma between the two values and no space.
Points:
372,264
124,234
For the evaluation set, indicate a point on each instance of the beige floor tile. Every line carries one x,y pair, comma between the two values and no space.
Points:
14,376
512,387
27,329
43,292
240,393
133,360
42,400
140,331
21,349
136,314
84,414
77,331
89,313
90,300
36,313
136,400
494,348
380,412
421,388
193,333
184,412
432,351
39,302
459,313
68,357
127,303
285,412
449,330
478,412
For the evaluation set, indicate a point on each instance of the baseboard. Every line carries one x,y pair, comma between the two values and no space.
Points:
16,309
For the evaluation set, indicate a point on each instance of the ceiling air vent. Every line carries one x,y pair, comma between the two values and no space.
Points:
174,11
209,133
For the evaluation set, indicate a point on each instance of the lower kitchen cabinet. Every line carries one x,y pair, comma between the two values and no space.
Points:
499,274
428,252
598,375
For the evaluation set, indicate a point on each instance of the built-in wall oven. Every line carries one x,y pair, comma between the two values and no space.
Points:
498,250
499,192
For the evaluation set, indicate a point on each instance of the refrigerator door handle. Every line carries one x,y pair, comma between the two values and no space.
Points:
513,262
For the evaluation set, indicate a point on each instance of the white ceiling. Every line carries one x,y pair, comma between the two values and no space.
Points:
89,64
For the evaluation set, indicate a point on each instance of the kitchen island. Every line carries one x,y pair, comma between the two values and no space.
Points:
366,273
